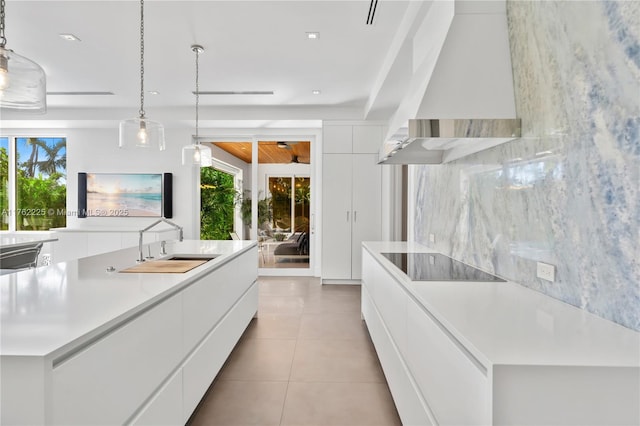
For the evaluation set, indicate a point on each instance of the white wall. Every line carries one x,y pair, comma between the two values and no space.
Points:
96,150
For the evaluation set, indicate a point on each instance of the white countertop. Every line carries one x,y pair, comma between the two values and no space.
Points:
18,240
47,310
507,323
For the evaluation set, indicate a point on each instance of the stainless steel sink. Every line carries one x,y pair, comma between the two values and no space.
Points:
206,257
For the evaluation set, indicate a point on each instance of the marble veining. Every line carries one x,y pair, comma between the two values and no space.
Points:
567,192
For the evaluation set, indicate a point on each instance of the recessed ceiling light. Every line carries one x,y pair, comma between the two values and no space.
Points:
313,36
154,92
69,37
316,92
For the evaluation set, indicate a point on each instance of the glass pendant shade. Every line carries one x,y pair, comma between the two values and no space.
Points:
23,83
196,155
141,133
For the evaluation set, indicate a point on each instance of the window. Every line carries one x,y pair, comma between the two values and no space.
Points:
290,196
218,197
34,196
4,183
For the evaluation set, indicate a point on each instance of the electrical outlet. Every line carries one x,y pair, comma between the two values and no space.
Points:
432,238
546,272
46,259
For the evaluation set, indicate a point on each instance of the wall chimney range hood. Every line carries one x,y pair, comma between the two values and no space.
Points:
441,141
461,97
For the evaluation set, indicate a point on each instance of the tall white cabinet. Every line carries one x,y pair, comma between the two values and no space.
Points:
351,198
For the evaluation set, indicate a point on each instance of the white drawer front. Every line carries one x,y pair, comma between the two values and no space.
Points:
107,382
204,364
406,397
206,301
454,387
392,300
166,407
369,270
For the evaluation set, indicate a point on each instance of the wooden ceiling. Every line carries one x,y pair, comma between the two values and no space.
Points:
270,151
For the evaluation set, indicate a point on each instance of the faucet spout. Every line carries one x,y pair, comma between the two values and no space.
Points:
142,231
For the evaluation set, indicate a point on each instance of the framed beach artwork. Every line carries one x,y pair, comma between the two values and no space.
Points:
120,194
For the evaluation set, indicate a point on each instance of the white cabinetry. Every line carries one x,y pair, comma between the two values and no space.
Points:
461,354
451,380
336,216
148,366
351,212
337,139
165,409
351,198
116,375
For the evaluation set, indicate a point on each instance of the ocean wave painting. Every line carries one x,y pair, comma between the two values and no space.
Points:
124,195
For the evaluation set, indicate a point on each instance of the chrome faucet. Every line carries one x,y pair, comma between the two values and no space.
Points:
163,220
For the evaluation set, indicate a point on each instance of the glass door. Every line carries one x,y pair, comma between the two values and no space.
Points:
288,245
273,200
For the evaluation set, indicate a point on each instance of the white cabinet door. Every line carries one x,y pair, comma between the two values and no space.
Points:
367,139
337,139
367,221
336,216
111,378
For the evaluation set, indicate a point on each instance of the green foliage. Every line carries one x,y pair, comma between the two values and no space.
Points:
281,193
4,186
264,210
42,202
302,195
217,201
40,198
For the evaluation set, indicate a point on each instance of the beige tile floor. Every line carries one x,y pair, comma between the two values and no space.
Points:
306,360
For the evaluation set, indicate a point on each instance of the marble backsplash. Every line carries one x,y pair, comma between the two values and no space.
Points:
568,192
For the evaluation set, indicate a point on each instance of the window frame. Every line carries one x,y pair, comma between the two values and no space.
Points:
292,177
12,171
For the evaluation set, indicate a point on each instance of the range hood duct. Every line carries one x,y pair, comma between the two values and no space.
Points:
461,97
440,141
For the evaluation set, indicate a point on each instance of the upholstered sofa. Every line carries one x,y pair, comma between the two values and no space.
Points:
295,247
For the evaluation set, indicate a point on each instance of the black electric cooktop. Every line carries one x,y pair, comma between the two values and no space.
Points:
436,267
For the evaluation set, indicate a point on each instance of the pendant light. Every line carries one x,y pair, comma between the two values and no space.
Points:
196,154
140,132
23,84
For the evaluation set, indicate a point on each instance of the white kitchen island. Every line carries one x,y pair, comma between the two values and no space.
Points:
480,353
82,343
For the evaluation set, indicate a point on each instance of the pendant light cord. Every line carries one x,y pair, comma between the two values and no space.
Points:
197,50
141,112
3,40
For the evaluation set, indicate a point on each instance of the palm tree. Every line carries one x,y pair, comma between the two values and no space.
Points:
30,164
52,162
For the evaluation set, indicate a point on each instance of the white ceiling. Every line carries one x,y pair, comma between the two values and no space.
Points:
249,45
